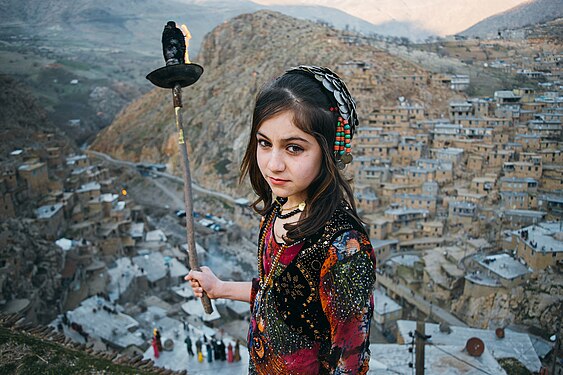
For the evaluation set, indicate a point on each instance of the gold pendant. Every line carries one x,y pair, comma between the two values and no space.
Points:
258,347
261,324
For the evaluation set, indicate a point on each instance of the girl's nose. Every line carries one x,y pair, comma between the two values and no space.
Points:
276,162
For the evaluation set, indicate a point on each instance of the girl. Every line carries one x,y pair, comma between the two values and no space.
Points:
312,303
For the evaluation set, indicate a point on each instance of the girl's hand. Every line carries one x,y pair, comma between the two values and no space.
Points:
204,281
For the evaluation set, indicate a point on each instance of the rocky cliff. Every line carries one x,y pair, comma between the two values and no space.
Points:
535,304
238,57
33,268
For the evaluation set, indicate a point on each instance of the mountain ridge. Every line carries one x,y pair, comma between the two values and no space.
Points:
530,13
238,57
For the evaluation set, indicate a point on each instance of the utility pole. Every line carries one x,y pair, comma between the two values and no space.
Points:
420,338
556,348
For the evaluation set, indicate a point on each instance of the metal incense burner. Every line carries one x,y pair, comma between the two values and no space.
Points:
176,75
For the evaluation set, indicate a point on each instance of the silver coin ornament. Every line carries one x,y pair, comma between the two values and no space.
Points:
347,158
345,103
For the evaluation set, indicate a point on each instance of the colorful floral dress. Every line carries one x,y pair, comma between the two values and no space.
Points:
314,317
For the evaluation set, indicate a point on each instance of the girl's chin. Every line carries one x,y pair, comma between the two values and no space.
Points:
279,192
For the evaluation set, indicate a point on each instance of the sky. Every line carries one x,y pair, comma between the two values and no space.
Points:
442,17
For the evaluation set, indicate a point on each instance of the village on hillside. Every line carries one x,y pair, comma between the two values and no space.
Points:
465,213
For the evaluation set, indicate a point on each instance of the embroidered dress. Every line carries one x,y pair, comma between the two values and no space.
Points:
313,317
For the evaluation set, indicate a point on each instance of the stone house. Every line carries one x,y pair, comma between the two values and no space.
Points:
453,155
51,218
372,176
443,170
160,271
503,267
7,207
522,170
77,161
386,311
36,177
416,201
529,142
551,156
483,185
459,110
384,249
408,152
88,192
109,240
494,160
377,226
442,279
552,204
401,217
366,199
461,213
475,163
418,175
519,193
552,177
432,229
516,219
54,157
540,245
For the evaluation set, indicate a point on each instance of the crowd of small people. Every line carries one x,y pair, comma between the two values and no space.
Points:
206,349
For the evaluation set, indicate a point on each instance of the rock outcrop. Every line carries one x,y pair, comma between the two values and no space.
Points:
536,304
33,268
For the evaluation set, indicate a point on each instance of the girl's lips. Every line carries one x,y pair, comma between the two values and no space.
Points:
277,181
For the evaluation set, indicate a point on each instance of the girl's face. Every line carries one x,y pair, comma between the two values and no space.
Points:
288,158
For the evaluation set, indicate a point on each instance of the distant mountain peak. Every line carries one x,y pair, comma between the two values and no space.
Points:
529,13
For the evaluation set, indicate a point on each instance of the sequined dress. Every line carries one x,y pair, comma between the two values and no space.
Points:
315,315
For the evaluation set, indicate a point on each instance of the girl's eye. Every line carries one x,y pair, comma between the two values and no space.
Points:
294,149
263,143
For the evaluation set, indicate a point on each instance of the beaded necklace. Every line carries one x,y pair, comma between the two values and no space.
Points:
301,207
261,248
297,209
267,280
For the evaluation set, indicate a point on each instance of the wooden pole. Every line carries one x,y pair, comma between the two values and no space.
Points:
420,338
188,200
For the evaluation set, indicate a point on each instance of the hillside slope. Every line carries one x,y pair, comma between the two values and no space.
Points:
23,120
530,13
28,349
238,57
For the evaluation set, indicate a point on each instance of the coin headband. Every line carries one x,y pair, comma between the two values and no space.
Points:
345,107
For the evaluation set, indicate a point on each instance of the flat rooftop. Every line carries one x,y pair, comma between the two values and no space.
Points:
404,260
114,327
48,211
546,236
392,359
154,265
502,265
89,187
384,304
513,345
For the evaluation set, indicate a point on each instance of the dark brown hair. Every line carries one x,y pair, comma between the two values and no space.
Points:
302,95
